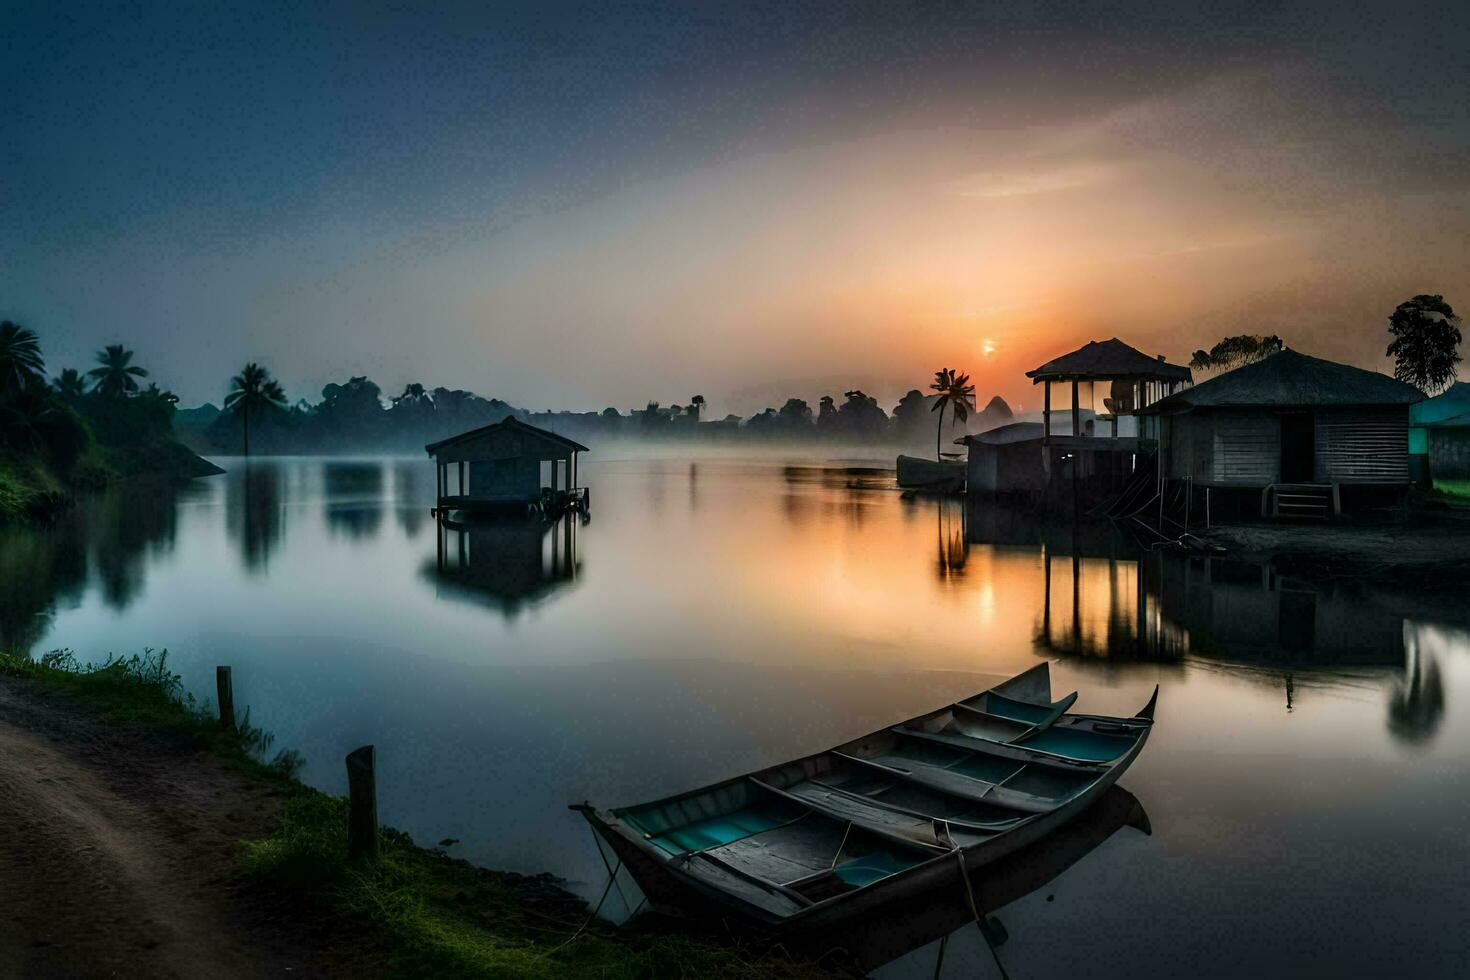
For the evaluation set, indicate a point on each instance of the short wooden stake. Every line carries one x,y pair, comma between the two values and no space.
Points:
362,805
226,692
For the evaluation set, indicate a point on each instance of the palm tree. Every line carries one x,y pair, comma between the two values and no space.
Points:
956,392
116,374
20,358
70,384
253,387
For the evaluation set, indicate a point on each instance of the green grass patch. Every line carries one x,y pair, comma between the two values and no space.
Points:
445,917
142,690
430,914
1455,488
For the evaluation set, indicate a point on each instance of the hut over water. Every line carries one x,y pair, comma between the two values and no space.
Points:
507,465
1289,435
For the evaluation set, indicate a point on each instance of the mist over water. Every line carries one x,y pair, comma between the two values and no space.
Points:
728,611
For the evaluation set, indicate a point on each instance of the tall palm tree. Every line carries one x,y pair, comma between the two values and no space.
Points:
20,358
70,383
115,373
957,394
253,387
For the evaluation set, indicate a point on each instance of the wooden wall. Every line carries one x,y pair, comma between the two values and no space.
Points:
1246,448
1242,447
1363,445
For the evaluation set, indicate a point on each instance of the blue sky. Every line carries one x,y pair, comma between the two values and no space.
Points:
576,206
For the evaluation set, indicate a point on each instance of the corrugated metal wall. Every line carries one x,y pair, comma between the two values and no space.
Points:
1247,448
1362,445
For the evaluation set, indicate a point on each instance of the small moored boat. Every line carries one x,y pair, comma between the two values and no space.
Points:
883,818
939,476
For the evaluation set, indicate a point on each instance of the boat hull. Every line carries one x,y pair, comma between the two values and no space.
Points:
673,891
938,476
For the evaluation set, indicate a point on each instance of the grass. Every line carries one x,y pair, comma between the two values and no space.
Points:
432,915
1456,488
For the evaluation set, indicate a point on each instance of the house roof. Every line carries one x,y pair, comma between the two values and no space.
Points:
1454,401
1291,378
1004,434
1108,359
509,422
1453,422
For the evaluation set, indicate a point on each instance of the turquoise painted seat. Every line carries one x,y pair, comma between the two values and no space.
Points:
725,829
872,867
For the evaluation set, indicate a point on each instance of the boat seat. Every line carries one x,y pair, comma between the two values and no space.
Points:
727,828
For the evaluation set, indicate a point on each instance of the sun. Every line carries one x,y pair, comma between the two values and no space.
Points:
987,347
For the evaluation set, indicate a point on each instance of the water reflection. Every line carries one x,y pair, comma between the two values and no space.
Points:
254,511
353,500
891,933
109,539
413,494
1416,706
505,564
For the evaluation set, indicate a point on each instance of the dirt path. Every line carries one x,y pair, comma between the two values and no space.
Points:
119,855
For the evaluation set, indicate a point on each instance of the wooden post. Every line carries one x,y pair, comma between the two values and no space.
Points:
1076,410
1046,411
362,805
225,689
461,478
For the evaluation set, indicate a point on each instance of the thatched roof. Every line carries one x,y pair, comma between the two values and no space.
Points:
1291,378
510,422
1108,359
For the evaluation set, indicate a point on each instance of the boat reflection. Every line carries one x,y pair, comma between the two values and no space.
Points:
888,934
505,564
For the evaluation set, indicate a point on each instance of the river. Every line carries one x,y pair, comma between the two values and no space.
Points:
1307,782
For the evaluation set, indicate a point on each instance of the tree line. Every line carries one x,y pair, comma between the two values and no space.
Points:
355,415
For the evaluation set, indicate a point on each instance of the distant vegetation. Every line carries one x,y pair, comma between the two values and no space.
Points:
78,431
1232,352
354,416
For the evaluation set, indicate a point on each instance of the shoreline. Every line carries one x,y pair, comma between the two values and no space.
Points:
126,805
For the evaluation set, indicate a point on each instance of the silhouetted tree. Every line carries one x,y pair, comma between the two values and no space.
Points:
826,414
956,393
860,417
253,388
1426,333
1232,352
910,415
115,374
21,364
795,417
70,384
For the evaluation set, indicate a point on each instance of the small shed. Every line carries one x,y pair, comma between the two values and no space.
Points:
505,463
1439,436
1449,449
1288,420
1006,459
1111,380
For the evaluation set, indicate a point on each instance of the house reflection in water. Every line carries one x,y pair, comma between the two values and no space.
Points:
1107,599
506,564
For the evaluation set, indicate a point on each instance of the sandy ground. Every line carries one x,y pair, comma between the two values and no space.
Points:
119,855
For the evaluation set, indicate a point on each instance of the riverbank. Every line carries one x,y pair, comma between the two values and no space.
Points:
1424,552
36,488
138,839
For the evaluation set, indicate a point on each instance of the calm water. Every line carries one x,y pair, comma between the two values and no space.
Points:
1307,782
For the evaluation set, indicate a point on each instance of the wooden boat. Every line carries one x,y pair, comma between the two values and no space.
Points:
884,818
937,475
